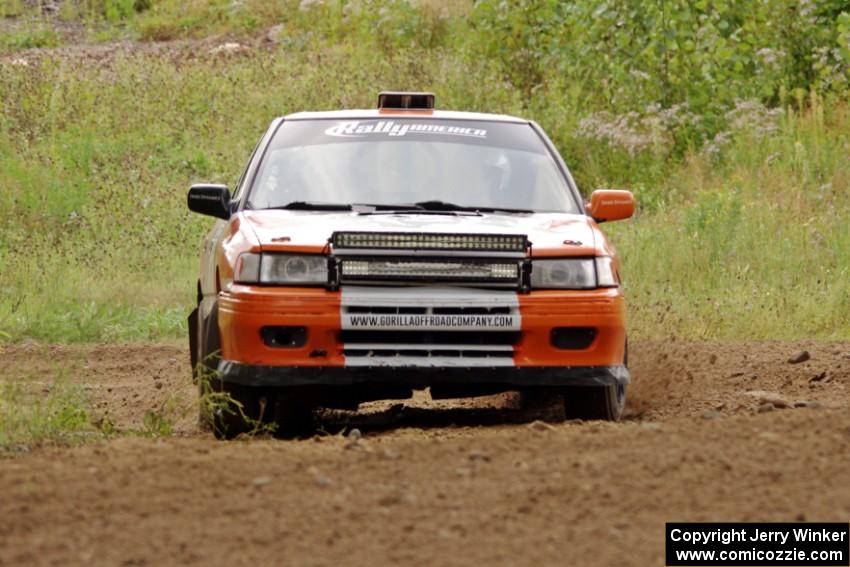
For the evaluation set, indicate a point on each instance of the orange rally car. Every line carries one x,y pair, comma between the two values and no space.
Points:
367,253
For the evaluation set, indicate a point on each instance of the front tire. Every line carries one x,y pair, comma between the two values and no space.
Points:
604,403
293,416
242,409
229,410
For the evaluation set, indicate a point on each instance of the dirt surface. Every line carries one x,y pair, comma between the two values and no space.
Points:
706,438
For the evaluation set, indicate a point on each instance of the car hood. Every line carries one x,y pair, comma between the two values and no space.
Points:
549,233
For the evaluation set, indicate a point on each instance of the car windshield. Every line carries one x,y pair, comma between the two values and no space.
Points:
386,162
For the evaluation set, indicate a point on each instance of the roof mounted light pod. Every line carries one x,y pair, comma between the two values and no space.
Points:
405,101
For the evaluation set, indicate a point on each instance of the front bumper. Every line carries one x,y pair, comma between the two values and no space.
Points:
329,356
418,378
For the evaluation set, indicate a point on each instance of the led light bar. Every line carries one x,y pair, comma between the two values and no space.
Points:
517,243
433,270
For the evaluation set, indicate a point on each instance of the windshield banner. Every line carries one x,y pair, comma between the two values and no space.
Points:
358,129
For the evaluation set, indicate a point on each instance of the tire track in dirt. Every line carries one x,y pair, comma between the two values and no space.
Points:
687,379
434,486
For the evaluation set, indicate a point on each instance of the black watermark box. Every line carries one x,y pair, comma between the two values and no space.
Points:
757,545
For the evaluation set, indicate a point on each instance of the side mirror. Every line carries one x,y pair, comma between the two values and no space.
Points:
212,200
611,205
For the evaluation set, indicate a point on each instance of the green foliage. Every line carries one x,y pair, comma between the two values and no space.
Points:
32,414
156,424
113,11
639,52
12,8
29,37
728,119
216,406
757,246
523,36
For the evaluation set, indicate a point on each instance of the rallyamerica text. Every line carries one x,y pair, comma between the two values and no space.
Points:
755,534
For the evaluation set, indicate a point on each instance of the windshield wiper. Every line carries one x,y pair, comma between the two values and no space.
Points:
445,206
357,207
420,207
314,206
414,209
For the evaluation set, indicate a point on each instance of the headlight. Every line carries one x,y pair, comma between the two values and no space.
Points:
284,269
584,273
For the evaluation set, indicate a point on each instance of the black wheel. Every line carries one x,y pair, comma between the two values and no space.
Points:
247,409
238,409
293,416
208,341
544,402
205,343
201,373
595,402
228,410
193,338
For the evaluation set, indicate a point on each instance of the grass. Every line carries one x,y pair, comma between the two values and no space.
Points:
745,237
50,409
32,415
30,37
166,20
756,246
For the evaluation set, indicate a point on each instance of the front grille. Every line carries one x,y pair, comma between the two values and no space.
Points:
471,310
408,352
428,348
392,339
429,327
388,310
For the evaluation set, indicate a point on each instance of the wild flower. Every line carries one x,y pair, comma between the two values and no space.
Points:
771,57
747,116
713,149
831,67
307,4
619,131
652,129
754,117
